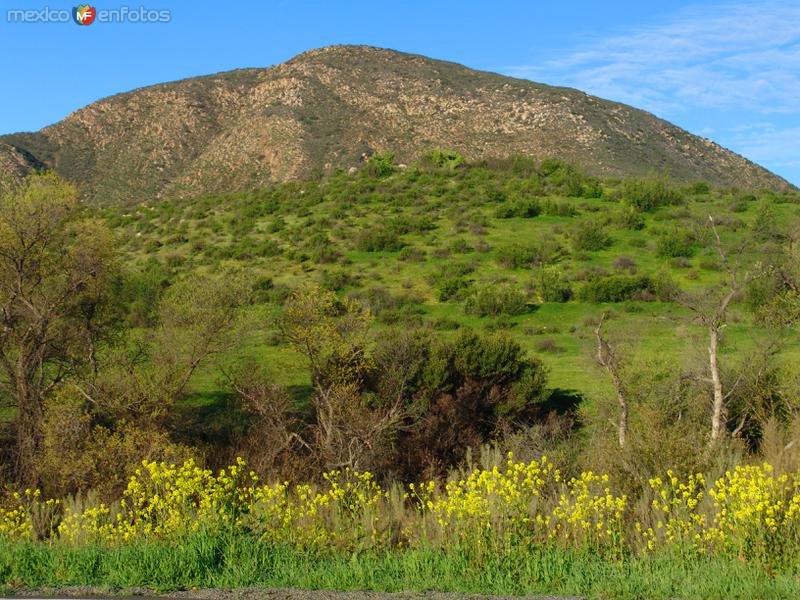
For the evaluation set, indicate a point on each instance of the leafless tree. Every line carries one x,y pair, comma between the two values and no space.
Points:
711,310
607,359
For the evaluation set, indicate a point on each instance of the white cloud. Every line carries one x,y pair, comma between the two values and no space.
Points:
733,69
744,55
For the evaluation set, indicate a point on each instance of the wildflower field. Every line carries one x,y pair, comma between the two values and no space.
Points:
515,528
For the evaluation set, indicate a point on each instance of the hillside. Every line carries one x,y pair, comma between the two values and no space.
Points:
516,246
325,109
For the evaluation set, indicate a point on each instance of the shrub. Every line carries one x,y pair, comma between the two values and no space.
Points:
623,263
590,235
519,208
412,254
338,279
699,188
444,159
630,218
616,288
676,243
551,285
452,287
549,345
515,256
495,300
379,239
650,193
381,164
765,226
558,209
461,246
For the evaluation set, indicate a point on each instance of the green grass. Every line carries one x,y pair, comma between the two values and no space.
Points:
204,561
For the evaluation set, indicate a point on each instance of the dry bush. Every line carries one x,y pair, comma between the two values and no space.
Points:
273,443
80,453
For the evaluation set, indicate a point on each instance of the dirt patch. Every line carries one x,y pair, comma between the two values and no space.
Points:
260,594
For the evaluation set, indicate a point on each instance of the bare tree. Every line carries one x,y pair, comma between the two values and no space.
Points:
711,310
333,335
607,359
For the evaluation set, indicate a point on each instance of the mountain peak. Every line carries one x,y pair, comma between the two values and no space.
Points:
324,108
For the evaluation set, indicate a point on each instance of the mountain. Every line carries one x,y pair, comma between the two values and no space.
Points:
326,108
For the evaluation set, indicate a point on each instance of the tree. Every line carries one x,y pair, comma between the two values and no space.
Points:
54,279
711,310
148,371
333,335
607,359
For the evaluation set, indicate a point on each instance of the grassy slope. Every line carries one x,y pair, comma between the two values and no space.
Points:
271,233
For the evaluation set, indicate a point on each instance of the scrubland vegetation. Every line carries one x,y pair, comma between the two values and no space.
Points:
501,377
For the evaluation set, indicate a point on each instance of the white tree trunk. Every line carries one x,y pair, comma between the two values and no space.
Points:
718,411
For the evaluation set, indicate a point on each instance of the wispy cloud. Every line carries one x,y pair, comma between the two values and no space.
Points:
742,55
778,147
738,58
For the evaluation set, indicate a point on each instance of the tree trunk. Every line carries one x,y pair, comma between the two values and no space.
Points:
623,414
607,360
29,435
718,412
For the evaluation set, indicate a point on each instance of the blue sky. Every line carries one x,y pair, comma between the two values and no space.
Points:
729,71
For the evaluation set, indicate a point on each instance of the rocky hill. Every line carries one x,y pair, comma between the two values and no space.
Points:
326,108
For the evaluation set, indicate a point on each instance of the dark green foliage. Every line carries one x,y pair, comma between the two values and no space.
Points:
516,256
617,288
519,208
338,279
590,235
452,287
471,385
379,239
699,188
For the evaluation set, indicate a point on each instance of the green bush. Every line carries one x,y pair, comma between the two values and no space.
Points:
520,208
676,243
495,300
617,288
379,239
515,256
558,209
629,218
699,188
381,164
765,226
551,285
452,287
590,235
650,193
444,159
